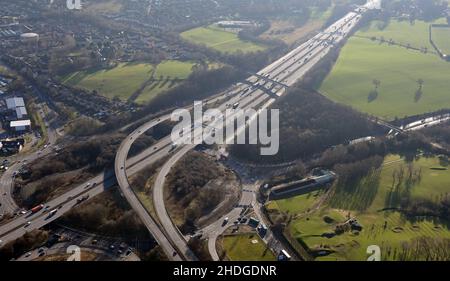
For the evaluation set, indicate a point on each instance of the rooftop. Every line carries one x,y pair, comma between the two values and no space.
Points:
20,123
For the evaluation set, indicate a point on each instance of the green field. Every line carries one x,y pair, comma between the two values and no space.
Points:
433,185
126,79
164,76
441,37
297,204
219,39
416,34
121,81
398,69
246,247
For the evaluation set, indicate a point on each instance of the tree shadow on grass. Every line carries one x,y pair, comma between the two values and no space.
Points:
418,95
373,95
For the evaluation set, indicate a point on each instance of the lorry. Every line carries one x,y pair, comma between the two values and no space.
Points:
37,208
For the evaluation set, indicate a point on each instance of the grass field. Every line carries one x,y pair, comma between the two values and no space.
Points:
126,79
246,247
388,229
219,39
297,204
398,69
105,6
121,81
441,37
403,32
164,76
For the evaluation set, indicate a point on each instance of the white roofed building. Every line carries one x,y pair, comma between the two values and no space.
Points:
20,125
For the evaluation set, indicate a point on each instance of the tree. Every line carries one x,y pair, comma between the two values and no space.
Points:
376,83
420,82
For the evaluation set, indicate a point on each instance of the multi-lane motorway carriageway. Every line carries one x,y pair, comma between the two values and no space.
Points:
283,72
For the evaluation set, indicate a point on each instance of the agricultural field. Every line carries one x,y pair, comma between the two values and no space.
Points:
220,40
139,82
383,79
441,37
246,247
398,236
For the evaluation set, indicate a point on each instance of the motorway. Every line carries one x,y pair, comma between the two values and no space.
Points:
287,70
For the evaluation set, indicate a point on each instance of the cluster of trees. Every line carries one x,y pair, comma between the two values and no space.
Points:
402,182
357,184
439,134
186,184
29,241
422,249
109,215
309,124
419,208
351,173
48,176
297,172
427,10
82,127
94,154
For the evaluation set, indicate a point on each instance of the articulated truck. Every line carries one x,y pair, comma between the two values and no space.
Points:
37,208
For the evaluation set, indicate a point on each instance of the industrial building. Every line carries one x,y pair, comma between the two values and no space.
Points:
318,179
16,115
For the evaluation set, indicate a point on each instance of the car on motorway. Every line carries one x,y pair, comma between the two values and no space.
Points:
51,213
27,255
225,221
84,198
27,224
